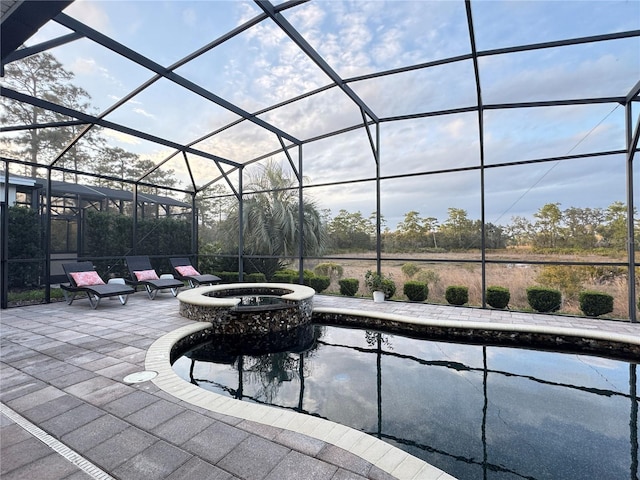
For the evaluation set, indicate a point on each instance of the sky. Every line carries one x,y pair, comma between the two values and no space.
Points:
262,67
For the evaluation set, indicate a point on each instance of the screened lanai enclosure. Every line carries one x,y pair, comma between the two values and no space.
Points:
472,143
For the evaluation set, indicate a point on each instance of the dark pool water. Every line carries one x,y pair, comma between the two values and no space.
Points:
251,302
261,300
474,411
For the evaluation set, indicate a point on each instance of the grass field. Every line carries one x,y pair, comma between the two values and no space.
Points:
516,276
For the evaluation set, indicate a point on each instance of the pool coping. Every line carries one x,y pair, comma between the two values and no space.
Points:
388,458
199,297
561,338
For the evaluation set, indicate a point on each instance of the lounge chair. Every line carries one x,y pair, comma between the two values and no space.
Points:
83,278
184,271
143,274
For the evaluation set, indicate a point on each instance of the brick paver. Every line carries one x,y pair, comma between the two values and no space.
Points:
63,367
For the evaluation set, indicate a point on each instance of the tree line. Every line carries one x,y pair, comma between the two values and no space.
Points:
271,225
551,228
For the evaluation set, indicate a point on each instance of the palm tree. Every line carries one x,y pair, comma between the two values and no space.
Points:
271,218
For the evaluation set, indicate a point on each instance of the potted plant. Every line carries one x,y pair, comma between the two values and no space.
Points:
379,285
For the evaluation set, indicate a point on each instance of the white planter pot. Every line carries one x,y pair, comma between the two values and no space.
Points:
378,297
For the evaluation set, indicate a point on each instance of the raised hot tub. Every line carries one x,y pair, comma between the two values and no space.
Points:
248,308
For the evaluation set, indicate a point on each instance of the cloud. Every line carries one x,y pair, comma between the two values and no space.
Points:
522,190
437,88
389,47
91,13
143,112
189,17
308,19
122,138
456,127
531,133
558,74
85,66
240,143
89,66
246,11
430,144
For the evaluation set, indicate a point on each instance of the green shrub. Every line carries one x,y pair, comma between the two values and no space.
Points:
108,234
319,283
210,259
25,242
331,270
605,274
380,283
594,304
498,297
544,299
228,277
430,277
457,295
567,279
388,287
35,295
416,291
410,269
284,277
349,286
307,275
288,271
255,277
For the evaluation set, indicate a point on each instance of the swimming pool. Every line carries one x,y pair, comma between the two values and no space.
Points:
474,411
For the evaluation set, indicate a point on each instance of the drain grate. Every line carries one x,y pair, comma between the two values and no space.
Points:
74,457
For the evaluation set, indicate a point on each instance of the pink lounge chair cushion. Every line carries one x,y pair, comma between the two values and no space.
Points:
86,279
187,271
143,275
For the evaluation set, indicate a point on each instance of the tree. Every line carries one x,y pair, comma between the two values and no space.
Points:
115,162
145,170
458,230
129,167
614,231
213,204
494,235
82,152
520,231
411,230
581,225
372,224
549,218
351,231
431,227
270,219
40,76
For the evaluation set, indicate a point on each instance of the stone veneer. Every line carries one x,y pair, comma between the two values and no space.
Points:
217,305
555,339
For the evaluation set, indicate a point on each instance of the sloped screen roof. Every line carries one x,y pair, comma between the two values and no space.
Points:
199,89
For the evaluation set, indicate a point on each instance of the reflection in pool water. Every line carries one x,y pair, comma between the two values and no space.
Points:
473,411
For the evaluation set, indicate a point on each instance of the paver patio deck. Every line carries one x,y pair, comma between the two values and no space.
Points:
67,413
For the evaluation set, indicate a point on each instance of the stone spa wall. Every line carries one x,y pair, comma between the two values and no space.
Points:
221,305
